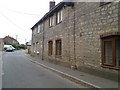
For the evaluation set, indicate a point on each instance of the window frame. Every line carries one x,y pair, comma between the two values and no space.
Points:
39,29
104,2
42,27
59,16
51,21
50,48
103,52
113,40
34,31
58,52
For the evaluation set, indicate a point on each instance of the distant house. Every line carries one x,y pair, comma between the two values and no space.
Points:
10,40
1,44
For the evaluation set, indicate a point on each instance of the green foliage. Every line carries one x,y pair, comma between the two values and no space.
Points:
21,47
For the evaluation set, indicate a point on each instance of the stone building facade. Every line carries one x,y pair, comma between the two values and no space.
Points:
82,35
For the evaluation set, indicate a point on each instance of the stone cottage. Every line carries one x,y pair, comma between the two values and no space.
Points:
81,35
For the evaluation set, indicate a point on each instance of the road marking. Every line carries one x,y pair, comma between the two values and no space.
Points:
75,78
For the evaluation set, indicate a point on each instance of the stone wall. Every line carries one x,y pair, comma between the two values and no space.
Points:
1,44
80,33
95,21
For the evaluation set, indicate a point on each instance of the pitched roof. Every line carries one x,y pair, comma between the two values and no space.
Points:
9,38
53,10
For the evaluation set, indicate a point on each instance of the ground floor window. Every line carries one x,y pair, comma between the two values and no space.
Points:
58,47
37,47
34,47
111,51
50,48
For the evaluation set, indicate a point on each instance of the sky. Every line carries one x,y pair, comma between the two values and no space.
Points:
18,16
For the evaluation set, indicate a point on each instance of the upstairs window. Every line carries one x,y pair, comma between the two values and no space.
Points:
51,21
50,48
111,51
42,27
59,16
103,2
38,29
58,47
34,47
35,31
37,48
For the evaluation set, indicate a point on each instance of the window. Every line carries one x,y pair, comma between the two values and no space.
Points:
50,48
37,48
59,16
51,21
103,2
118,51
58,47
34,31
42,27
34,47
38,29
111,51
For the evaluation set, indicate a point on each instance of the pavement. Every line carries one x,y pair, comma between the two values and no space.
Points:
76,76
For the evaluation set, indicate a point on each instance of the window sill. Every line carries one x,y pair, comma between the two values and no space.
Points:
58,56
110,67
50,55
50,26
58,22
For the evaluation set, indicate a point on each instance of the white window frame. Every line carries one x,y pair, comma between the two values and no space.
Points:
59,16
34,31
38,31
51,21
42,26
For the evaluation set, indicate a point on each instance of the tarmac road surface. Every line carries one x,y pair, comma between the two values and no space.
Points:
21,73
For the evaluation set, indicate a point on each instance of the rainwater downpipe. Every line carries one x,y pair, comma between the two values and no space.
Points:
43,41
74,64
68,35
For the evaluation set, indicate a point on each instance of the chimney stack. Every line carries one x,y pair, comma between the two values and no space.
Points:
52,4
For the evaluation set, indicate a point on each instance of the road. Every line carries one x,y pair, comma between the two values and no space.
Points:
19,72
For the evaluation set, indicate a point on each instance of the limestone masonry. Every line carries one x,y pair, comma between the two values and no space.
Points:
81,35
